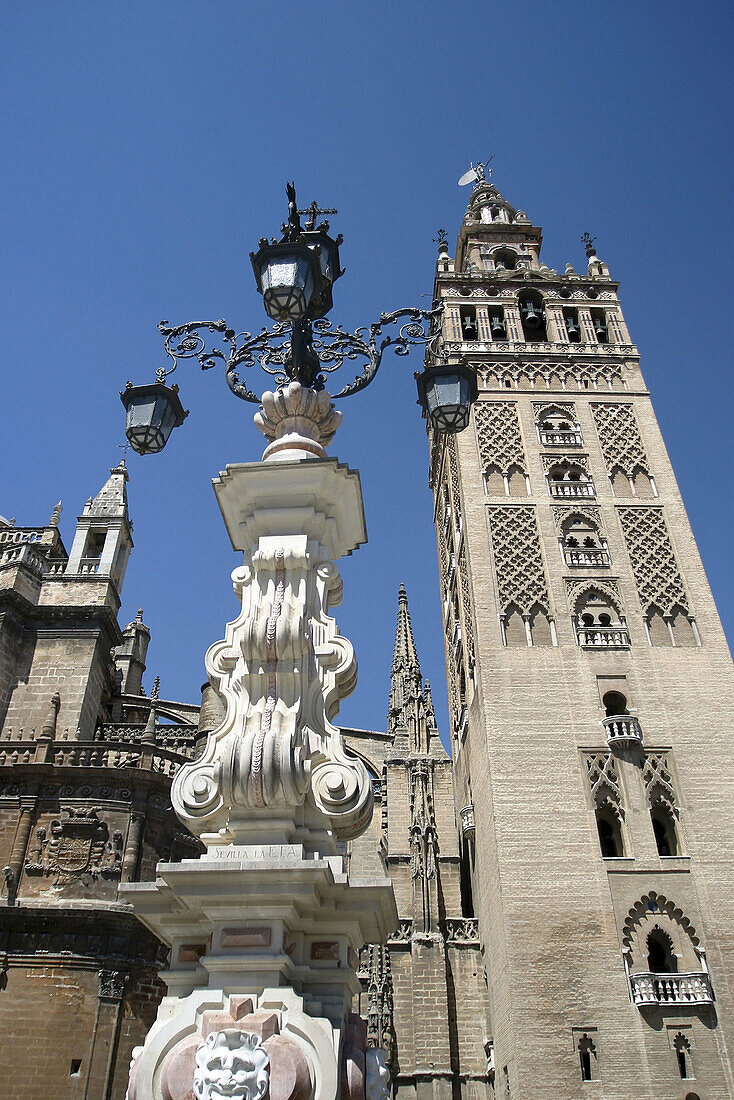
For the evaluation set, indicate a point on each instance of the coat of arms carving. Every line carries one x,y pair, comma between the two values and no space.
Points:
77,844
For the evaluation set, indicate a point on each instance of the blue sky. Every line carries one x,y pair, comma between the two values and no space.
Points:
145,147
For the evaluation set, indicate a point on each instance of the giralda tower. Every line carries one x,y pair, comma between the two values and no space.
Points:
591,690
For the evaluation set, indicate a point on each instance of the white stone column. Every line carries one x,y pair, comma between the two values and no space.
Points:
266,923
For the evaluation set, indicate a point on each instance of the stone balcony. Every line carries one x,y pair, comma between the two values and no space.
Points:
603,637
23,553
466,815
623,729
572,490
671,989
560,438
586,558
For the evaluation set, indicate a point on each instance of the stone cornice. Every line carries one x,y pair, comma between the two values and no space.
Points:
59,617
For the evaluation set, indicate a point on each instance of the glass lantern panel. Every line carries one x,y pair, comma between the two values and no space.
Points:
141,412
165,416
444,390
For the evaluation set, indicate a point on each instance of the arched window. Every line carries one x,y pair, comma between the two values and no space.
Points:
615,704
532,314
642,483
587,1058
681,628
683,1055
556,428
610,833
569,480
495,482
598,622
505,258
582,543
540,628
468,316
620,483
497,324
571,317
599,321
515,633
658,629
660,957
663,826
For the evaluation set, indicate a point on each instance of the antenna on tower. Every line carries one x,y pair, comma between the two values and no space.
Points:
476,175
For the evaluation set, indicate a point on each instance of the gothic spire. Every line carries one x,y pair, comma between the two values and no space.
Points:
111,500
405,677
411,719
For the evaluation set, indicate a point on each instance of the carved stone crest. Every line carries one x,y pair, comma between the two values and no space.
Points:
231,1065
77,844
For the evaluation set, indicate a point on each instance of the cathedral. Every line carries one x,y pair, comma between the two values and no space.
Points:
562,878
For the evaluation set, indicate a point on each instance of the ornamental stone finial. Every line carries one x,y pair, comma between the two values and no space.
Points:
298,422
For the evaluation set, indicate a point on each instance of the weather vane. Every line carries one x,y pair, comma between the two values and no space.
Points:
476,174
588,241
313,212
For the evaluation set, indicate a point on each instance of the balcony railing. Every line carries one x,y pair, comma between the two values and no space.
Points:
588,557
603,637
671,989
12,535
23,554
466,814
571,490
560,437
623,729
89,565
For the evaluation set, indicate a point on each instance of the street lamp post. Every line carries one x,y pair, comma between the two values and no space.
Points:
295,276
266,925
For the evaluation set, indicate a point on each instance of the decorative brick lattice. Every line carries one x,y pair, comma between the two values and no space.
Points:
620,438
467,606
499,438
658,781
658,579
454,480
604,781
518,561
552,376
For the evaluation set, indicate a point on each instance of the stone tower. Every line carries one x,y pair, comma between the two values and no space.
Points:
591,689
424,993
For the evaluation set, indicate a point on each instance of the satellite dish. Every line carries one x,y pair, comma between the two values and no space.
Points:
468,177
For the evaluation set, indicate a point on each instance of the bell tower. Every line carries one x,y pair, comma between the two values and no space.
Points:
591,688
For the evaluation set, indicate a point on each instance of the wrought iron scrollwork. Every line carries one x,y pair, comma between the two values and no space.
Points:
306,352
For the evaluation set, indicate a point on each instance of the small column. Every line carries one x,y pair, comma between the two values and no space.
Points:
44,745
556,325
106,1034
20,844
587,327
133,845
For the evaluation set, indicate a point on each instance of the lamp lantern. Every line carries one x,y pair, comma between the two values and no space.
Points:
151,414
288,275
446,392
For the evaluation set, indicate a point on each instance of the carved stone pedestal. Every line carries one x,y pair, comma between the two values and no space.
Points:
266,920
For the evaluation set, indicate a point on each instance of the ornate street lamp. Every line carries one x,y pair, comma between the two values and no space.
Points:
295,276
151,414
447,391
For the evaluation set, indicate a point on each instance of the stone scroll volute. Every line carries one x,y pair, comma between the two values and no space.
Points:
282,670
